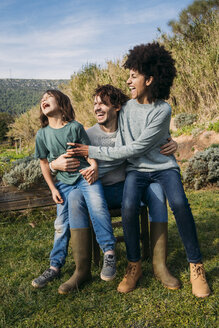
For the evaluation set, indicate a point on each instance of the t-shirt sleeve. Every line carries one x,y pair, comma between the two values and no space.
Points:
40,148
82,136
148,138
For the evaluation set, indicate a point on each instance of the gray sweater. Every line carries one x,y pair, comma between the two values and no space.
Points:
109,172
142,130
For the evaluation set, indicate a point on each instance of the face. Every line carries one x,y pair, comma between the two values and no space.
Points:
105,113
138,86
49,105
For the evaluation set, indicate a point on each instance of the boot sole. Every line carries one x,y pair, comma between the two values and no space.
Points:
126,292
168,287
172,288
61,292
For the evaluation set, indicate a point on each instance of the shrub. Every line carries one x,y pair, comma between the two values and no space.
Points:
184,119
24,174
202,169
214,126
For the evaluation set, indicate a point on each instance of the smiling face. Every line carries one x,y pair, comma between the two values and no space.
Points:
49,105
105,114
138,85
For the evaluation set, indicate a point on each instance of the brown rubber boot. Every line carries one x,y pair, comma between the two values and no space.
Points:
133,274
81,249
198,280
158,238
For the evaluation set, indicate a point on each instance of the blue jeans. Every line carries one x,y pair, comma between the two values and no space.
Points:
98,213
153,197
135,185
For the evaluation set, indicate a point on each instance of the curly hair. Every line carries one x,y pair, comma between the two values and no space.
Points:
110,93
64,104
154,60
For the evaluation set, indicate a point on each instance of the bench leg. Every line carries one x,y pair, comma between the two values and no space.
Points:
144,234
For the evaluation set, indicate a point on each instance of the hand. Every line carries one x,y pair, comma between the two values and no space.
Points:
169,148
65,163
79,150
56,196
90,174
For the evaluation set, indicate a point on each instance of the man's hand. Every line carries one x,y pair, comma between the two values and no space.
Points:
65,163
79,150
90,174
169,148
56,196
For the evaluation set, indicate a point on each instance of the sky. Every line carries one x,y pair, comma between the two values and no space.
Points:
53,39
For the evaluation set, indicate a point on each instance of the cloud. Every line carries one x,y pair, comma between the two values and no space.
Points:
44,37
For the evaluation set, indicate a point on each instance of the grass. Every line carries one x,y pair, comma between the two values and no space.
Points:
25,252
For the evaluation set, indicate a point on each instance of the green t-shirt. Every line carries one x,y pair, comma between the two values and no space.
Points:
51,143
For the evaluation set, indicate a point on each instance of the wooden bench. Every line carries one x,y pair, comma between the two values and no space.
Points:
143,229
12,199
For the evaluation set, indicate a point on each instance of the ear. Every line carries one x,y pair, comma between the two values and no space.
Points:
149,81
117,109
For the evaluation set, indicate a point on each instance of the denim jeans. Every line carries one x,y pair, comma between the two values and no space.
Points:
153,197
135,185
98,212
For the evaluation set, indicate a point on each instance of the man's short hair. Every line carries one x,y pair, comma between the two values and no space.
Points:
154,60
110,93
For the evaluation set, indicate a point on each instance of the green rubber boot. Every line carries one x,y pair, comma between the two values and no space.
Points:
82,253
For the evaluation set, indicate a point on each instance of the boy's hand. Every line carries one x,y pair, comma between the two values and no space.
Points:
56,196
169,148
79,150
90,174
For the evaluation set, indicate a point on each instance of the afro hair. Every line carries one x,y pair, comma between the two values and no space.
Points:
153,60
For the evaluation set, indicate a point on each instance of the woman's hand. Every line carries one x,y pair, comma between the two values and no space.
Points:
169,148
79,150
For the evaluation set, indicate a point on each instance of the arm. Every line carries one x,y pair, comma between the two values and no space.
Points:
48,177
150,136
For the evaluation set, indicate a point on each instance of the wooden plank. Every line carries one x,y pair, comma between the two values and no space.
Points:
12,199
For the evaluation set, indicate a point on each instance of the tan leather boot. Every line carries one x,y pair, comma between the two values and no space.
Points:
198,280
133,274
81,249
158,238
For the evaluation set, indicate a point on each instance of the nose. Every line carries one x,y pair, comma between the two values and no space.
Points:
128,81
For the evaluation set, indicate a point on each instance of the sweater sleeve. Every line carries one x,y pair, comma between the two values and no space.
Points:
149,137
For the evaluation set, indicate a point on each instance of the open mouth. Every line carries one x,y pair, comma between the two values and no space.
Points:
45,105
100,115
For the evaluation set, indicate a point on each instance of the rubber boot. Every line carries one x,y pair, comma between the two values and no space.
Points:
198,280
81,250
133,274
158,238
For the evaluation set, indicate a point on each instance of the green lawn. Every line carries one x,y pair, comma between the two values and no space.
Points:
24,255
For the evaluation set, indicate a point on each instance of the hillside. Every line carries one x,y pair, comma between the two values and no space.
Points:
19,95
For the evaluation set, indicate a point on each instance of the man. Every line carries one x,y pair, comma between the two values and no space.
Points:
107,104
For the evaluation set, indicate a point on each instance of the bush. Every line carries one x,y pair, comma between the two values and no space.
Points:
202,169
184,119
214,126
24,174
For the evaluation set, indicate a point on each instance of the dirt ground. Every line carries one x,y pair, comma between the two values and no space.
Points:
189,145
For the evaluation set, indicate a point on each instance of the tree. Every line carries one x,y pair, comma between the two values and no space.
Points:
5,120
199,12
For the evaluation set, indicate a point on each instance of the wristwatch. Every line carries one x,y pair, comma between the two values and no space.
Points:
51,169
